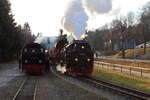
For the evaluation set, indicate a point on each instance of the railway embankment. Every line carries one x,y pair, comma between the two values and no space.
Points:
122,79
102,92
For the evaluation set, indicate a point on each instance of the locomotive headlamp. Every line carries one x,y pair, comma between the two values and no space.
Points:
88,59
40,61
33,50
26,61
25,50
82,47
75,45
46,51
76,59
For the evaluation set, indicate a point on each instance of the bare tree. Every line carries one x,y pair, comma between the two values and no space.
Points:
119,32
145,22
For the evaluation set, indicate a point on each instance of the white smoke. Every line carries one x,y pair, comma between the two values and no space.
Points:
79,23
61,69
77,14
97,6
74,20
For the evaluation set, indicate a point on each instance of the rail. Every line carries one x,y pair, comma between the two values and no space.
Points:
19,91
119,89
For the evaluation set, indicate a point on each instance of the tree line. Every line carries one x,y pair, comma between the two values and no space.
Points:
12,36
122,33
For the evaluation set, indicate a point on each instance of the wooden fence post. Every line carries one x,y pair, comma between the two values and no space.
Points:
141,73
114,67
130,70
121,68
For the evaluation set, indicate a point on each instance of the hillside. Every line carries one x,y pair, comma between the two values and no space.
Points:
134,53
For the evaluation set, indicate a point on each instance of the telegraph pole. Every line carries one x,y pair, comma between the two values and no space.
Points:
48,41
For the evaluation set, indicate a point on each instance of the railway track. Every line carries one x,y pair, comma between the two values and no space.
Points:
138,95
131,93
27,89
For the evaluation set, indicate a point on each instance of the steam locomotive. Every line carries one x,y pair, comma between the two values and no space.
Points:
32,59
77,57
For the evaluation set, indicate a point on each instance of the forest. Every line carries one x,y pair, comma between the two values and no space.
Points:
12,36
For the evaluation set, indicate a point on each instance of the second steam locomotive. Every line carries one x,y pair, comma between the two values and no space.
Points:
77,57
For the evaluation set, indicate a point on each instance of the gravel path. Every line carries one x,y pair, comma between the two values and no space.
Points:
51,87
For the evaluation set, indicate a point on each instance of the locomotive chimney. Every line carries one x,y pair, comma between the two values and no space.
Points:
61,32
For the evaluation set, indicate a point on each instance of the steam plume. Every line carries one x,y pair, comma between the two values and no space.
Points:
74,20
76,15
61,69
97,6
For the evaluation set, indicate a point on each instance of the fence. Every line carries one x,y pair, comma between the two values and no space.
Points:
142,72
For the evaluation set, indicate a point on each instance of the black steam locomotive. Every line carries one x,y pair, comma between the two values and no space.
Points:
32,59
78,58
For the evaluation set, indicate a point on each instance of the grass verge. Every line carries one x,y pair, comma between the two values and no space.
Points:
122,79
14,62
130,53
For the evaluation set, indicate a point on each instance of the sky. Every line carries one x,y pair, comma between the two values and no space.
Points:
45,15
